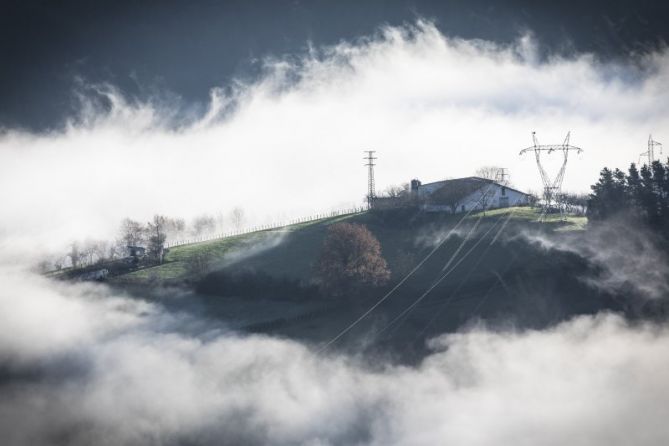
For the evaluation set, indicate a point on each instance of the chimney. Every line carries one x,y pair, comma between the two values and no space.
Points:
415,184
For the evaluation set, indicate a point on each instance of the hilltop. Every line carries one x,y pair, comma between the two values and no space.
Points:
290,251
262,282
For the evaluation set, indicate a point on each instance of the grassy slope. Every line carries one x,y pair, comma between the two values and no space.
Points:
224,251
511,281
291,251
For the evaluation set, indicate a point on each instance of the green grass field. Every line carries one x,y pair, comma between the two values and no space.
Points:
292,251
219,251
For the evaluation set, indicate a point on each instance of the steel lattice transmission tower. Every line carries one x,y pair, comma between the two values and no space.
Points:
371,193
650,153
552,186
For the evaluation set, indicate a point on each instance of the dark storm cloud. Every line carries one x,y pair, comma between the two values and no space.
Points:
187,48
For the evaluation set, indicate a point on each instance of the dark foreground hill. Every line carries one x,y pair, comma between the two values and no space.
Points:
505,269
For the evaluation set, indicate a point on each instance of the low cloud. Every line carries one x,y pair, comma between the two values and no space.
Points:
290,143
81,364
111,370
627,258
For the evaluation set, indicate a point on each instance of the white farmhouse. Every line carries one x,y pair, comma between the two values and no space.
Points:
465,194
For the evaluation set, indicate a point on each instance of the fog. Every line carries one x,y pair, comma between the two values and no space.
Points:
628,259
85,364
290,144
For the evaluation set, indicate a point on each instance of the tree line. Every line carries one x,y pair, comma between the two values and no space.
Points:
152,236
641,194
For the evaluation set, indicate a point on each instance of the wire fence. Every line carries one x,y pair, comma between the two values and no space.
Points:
267,227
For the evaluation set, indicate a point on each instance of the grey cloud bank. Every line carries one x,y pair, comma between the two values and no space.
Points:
109,370
290,143
628,259
80,364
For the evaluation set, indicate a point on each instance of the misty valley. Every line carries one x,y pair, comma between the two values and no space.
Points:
533,276
334,223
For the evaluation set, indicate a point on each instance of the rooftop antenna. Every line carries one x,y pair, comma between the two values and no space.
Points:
650,153
371,194
552,186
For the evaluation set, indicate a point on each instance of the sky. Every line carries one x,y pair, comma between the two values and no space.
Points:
184,49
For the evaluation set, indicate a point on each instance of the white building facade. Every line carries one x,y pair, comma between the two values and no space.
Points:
466,194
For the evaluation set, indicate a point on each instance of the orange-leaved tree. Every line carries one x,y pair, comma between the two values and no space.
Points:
351,260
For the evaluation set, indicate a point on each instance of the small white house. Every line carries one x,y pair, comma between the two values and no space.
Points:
465,194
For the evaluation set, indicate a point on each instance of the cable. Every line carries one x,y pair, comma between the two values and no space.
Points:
389,293
464,280
440,279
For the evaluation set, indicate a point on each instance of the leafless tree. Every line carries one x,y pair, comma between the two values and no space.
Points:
203,225
74,255
133,233
175,227
484,195
489,173
59,263
157,237
237,218
98,250
116,250
396,191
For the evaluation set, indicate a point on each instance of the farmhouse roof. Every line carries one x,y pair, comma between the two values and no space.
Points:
458,188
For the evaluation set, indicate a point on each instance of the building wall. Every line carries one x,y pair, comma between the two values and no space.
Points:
426,190
494,199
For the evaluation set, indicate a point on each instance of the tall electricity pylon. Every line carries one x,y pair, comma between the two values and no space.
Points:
552,186
650,153
371,194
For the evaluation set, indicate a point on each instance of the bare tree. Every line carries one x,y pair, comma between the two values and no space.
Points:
488,172
157,237
116,249
396,191
74,255
175,227
237,218
203,225
133,233
484,195
59,263
97,250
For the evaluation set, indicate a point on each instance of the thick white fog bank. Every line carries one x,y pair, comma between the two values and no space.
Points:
291,143
82,366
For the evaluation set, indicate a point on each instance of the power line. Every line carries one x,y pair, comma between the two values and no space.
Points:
404,279
399,284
